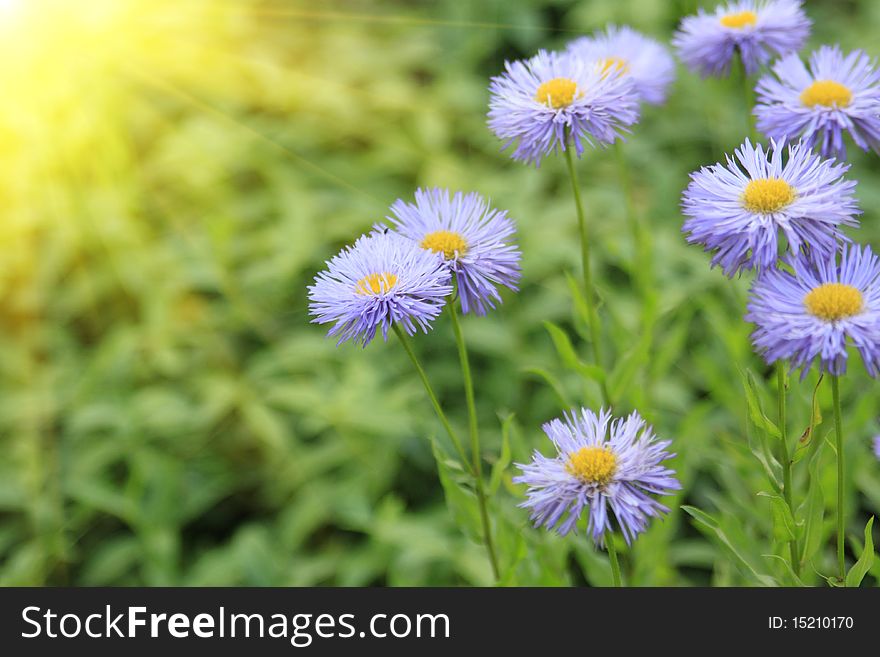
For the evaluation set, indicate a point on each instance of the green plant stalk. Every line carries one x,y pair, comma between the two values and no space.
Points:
838,431
592,315
473,428
612,558
785,459
434,401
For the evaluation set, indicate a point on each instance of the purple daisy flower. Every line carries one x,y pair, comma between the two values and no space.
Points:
837,94
542,104
739,210
474,239
645,60
600,465
812,312
381,280
759,30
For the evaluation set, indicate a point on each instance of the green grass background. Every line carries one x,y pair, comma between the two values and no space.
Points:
168,416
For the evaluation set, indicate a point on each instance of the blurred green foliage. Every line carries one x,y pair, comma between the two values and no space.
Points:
170,417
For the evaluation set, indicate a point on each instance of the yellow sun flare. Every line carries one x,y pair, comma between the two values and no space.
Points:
76,76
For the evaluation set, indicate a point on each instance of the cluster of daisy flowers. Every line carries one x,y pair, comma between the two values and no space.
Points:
755,30
586,95
404,276
441,246
780,211
776,209
818,102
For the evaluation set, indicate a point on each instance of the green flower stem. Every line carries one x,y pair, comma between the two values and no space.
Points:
785,460
612,558
838,431
475,437
592,315
434,401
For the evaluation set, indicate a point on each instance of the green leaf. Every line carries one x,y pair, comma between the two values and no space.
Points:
701,516
784,527
710,523
553,382
857,573
503,461
569,356
797,580
512,549
756,412
815,511
628,366
762,454
806,442
461,501
579,305
594,564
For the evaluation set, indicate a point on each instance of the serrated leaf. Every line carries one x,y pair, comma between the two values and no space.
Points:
857,573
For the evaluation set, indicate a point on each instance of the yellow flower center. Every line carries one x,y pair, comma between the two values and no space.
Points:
833,301
593,465
445,242
613,64
556,93
376,283
828,93
766,195
740,19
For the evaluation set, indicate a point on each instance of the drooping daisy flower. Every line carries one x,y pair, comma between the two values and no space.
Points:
474,239
738,211
758,30
547,102
837,94
608,468
813,312
645,60
383,279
